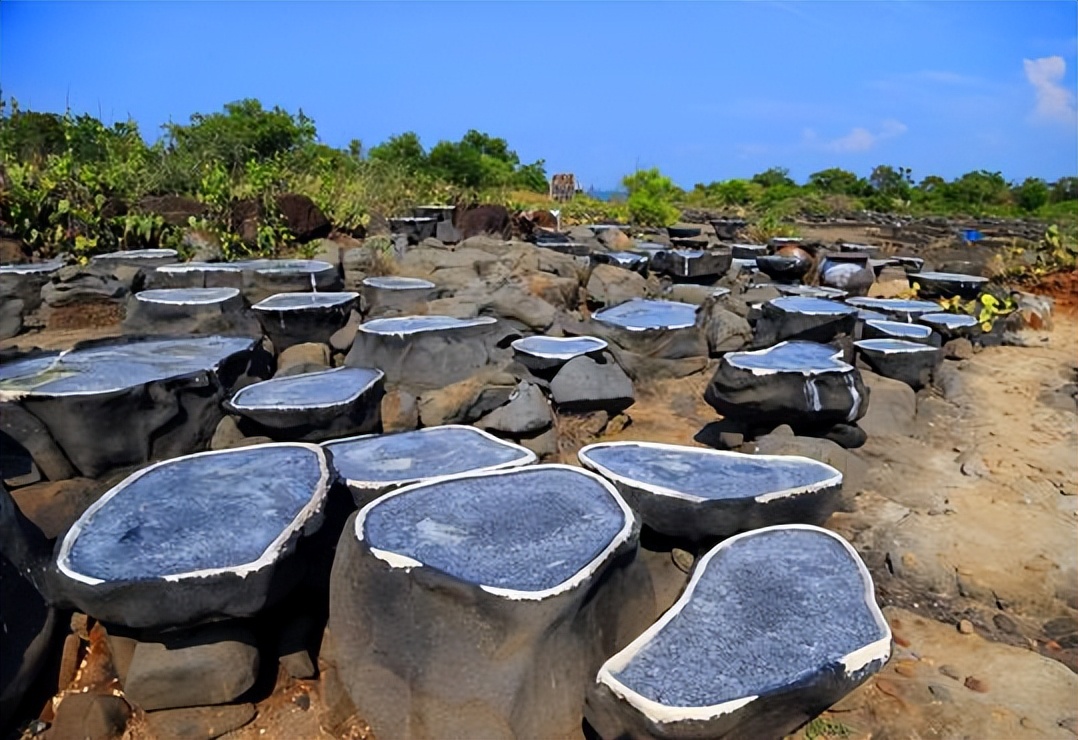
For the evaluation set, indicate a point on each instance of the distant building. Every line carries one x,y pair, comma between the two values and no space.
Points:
563,186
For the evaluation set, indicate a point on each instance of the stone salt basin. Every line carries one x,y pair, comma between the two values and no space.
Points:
775,626
490,599
697,494
314,406
167,392
543,353
202,536
371,465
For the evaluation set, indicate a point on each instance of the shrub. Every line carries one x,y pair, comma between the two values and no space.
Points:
650,200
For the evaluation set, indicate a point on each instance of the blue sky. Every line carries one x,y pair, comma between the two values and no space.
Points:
704,90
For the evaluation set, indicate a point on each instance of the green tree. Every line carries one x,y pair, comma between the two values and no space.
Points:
774,177
243,131
975,190
403,150
1031,194
651,197
1065,188
837,181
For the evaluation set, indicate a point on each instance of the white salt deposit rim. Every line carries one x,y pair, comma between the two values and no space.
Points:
310,302
196,296
818,307
665,714
900,327
268,556
296,266
527,457
137,254
840,365
31,268
397,283
201,267
386,327
237,404
598,315
834,479
521,345
949,320
888,346
396,560
949,277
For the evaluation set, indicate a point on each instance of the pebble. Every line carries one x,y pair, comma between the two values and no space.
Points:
906,668
940,693
965,627
950,672
682,559
976,684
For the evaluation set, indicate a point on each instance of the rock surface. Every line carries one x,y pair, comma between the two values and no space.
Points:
775,625
460,587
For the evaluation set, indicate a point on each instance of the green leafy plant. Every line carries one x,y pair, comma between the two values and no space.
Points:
651,196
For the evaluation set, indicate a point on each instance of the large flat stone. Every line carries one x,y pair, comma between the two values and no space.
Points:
695,494
481,605
207,535
774,626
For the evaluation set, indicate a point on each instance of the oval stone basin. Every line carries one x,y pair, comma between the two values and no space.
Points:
371,465
696,494
264,278
188,296
808,358
803,318
295,318
135,258
115,366
394,282
910,362
640,314
809,291
404,325
314,406
904,308
524,533
194,537
32,268
197,275
951,324
947,284
810,305
543,353
774,624
882,329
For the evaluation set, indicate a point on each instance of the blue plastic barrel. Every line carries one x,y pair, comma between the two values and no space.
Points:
972,235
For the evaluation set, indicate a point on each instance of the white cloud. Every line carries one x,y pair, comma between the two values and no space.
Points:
859,139
1055,103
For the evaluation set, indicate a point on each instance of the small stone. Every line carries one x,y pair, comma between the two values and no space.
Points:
302,358
198,723
400,412
965,627
302,700
683,559
950,672
1005,624
342,339
906,669
731,440
89,716
958,349
940,693
976,684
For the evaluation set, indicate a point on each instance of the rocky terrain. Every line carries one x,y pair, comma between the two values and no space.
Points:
953,477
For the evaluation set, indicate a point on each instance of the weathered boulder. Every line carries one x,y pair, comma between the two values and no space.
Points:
212,664
11,313
696,495
491,220
803,384
724,329
371,465
774,626
893,409
309,357
610,285
23,282
76,285
302,217
204,536
90,716
587,384
525,414
466,400
481,605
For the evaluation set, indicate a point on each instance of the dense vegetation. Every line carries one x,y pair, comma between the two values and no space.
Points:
71,183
